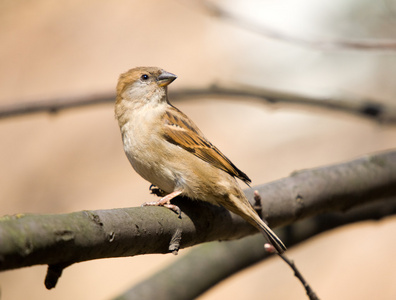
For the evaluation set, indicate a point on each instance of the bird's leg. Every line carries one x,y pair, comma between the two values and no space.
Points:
155,190
165,201
257,204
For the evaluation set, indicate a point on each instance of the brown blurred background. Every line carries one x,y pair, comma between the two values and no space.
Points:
74,160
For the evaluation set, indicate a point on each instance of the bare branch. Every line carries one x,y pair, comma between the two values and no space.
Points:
214,262
68,238
271,249
310,292
367,108
338,44
53,105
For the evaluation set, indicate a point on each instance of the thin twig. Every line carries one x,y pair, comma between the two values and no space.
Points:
271,249
310,292
335,44
55,105
368,108
54,272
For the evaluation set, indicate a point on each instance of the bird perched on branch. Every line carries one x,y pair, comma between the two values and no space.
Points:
167,149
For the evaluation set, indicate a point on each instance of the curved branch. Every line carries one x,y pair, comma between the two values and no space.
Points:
214,262
335,44
68,238
366,108
362,107
55,105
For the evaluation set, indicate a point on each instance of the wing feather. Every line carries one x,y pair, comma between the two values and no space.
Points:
180,131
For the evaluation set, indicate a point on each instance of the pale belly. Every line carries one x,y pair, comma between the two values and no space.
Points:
148,162
172,168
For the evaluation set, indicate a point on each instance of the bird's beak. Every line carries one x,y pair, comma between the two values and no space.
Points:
165,78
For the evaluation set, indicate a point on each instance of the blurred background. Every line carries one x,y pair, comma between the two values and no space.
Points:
73,160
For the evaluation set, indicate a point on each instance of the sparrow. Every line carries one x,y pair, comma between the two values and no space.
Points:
168,150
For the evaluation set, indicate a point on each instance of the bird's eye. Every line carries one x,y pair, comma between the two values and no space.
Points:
144,77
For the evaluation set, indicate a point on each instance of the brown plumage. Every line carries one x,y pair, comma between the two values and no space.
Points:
184,133
167,149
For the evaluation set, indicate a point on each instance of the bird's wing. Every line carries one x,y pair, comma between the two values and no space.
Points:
181,131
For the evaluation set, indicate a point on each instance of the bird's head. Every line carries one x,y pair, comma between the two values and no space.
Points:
144,83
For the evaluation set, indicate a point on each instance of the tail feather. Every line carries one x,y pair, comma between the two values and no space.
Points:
243,208
272,237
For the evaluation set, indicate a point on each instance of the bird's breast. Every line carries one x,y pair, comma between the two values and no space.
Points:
147,151
169,166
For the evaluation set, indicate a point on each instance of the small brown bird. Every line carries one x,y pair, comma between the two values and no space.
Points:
167,149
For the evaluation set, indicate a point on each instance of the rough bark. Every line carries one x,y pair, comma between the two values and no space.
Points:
214,262
64,239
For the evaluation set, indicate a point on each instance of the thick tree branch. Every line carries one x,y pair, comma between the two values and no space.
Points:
334,44
214,262
65,239
367,108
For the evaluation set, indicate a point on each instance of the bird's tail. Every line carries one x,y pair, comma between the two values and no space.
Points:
242,207
272,237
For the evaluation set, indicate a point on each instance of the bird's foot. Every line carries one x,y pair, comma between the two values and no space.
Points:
165,201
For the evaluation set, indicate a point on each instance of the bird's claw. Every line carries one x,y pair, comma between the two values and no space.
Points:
165,201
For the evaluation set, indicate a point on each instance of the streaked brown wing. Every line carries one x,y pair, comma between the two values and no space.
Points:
179,130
